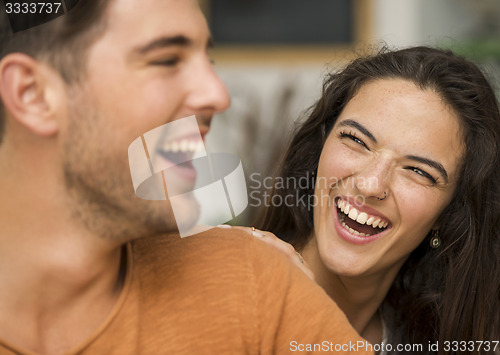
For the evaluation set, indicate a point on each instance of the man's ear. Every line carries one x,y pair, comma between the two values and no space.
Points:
27,91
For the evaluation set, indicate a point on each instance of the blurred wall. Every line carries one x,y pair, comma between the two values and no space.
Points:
272,85
411,22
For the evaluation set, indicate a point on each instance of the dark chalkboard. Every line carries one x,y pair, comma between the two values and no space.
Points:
291,22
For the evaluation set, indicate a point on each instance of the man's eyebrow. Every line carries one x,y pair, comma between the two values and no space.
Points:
358,126
163,42
438,166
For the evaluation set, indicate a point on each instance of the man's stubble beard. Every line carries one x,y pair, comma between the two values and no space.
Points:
99,187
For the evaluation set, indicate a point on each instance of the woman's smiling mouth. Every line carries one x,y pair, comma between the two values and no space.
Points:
356,225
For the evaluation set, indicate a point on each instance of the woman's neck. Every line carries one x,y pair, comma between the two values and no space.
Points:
358,296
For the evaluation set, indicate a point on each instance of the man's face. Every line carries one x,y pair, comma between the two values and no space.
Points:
149,68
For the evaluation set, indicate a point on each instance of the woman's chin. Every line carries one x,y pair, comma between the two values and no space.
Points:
346,263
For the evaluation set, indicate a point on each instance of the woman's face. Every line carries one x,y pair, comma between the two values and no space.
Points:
394,140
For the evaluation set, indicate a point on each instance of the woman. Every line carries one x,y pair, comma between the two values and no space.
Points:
402,223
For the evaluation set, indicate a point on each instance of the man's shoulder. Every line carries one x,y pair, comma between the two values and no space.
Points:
225,257
208,244
230,278
216,252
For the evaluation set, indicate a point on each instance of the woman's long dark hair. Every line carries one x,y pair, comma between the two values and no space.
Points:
446,294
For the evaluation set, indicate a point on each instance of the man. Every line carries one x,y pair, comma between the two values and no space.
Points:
86,266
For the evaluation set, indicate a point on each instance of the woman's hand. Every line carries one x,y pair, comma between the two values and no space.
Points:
279,244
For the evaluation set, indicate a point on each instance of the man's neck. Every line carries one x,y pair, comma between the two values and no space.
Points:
50,302
59,282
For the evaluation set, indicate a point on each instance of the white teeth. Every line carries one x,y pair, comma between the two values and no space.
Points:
346,209
184,145
353,214
360,217
352,231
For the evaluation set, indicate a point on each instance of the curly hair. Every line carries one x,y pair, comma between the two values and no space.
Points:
445,294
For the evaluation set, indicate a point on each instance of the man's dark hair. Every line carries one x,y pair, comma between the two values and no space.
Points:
61,43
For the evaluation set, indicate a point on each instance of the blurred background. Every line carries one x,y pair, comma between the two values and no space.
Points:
273,56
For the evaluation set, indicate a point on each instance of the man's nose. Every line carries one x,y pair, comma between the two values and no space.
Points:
208,94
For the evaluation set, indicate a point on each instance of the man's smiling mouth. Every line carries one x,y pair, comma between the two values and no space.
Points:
359,223
180,151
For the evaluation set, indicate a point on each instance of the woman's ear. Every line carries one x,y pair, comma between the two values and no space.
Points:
26,89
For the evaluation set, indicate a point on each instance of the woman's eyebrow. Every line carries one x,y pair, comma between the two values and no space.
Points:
358,126
438,166
434,164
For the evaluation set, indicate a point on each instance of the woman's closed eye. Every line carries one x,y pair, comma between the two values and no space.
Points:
422,173
352,136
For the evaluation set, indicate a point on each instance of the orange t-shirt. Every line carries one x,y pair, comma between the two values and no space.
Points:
219,292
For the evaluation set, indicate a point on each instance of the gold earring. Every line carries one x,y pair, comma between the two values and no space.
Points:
435,240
